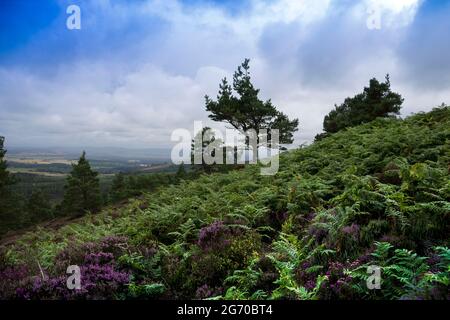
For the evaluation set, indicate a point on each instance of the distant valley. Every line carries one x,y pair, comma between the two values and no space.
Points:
46,169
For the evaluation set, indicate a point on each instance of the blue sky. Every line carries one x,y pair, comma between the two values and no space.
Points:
21,20
137,70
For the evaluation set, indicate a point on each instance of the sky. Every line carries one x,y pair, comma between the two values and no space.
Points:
138,70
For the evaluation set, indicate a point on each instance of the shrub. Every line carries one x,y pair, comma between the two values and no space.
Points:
217,261
98,282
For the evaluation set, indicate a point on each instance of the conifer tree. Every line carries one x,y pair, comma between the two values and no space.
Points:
375,101
118,188
39,207
5,178
10,205
205,143
246,111
82,190
181,172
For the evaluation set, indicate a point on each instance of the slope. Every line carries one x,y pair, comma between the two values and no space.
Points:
376,194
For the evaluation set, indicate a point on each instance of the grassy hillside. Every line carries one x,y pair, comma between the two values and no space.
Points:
377,194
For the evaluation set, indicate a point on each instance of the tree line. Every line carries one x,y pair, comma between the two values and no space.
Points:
81,193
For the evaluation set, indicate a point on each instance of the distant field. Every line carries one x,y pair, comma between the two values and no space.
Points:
58,166
39,161
48,172
42,173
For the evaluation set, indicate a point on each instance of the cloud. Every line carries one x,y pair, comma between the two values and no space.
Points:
80,102
138,70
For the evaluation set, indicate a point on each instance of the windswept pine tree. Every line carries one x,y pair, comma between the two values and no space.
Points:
82,190
377,100
246,111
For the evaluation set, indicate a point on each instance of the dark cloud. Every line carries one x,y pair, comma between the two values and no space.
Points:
424,53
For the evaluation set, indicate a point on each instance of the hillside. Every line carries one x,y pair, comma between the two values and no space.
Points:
376,194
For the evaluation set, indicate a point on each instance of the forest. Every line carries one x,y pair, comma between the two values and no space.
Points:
372,190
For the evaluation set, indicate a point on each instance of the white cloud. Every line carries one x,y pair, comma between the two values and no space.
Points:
306,56
398,13
147,105
397,6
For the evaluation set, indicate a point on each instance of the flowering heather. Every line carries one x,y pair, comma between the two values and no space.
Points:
275,219
11,278
98,282
98,258
352,230
16,272
433,261
149,252
304,278
214,236
318,233
100,278
113,244
339,285
365,258
205,291
106,248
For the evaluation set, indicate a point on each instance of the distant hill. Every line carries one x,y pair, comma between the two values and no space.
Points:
373,195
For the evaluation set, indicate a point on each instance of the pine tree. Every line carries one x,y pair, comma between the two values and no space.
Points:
246,111
39,207
10,205
205,143
181,172
119,189
375,101
82,190
5,177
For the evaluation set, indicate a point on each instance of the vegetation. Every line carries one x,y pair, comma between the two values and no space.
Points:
374,194
375,101
209,154
247,112
10,213
127,186
30,199
82,191
203,146
39,207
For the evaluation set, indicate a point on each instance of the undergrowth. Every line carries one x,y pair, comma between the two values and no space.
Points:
376,194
